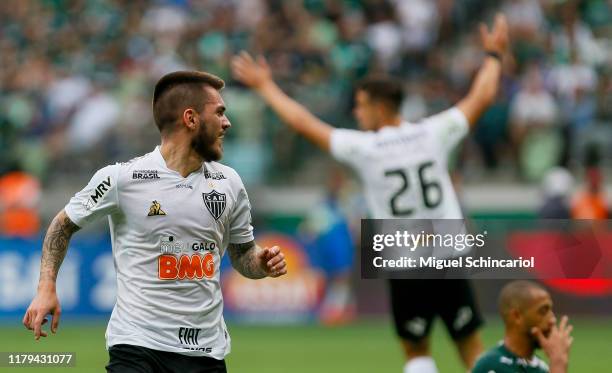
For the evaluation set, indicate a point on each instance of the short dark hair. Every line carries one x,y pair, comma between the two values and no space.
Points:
179,90
383,88
516,294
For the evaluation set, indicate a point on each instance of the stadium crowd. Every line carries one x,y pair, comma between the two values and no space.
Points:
76,76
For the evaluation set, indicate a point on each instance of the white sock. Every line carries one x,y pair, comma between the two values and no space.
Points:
421,364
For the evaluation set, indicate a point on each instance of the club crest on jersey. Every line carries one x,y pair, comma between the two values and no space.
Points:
215,203
155,209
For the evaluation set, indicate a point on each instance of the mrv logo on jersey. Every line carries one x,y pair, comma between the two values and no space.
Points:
101,190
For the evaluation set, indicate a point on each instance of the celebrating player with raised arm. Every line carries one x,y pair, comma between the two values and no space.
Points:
172,212
403,168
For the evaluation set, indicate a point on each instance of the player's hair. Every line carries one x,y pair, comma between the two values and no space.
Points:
180,90
383,88
516,295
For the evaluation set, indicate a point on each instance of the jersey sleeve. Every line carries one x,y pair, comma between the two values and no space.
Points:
347,146
449,127
99,198
241,228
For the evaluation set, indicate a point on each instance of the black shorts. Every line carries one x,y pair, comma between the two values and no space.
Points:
416,303
137,359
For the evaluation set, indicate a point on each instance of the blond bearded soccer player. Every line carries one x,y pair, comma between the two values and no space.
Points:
527,311
173,213
403,168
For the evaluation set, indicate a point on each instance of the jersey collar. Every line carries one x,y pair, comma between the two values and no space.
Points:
159,161
532,361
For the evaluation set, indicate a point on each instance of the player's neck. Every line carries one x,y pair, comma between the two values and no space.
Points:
392,120
519,345
180,157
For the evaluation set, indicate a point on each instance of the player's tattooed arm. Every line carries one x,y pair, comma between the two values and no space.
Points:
46,301
244,260
253,262
55,246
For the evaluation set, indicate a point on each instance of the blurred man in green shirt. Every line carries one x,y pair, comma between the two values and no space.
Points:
526,308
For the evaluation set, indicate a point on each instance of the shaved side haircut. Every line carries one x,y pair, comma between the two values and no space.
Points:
516,295
178,91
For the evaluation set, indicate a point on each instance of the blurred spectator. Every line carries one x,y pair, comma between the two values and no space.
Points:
533,112
590,202
571,38
92,121
525,17
527,27
532,107
491,131
19,199
574,84
384,36
556,190
419,20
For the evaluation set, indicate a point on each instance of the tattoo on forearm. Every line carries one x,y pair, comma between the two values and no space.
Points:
55,246
244,260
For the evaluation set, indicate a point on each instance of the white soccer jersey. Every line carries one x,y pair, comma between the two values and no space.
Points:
168,235
404,169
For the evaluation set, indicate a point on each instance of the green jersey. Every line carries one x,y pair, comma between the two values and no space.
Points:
501,360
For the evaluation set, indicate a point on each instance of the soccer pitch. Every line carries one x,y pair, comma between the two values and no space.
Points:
365,346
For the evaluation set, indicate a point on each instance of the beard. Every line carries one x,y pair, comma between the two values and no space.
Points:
204,144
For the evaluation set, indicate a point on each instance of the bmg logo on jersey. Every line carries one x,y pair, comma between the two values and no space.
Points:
185,267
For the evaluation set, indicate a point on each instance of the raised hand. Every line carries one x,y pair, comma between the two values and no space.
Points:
495,40
557,344
252,72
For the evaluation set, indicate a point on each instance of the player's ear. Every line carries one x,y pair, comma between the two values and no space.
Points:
515,316
189,118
